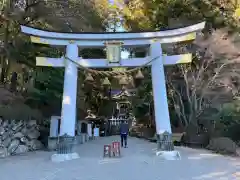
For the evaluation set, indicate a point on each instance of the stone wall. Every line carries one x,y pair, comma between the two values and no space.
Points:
17,137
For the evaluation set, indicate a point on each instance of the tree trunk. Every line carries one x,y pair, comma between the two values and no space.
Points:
4,69
4,60
13,85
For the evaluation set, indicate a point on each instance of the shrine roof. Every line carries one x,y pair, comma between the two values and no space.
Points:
118,91
122,94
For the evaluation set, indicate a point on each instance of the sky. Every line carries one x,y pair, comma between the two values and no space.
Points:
124,54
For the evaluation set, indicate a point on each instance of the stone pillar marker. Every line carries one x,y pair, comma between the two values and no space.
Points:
54,126
89,126
54,132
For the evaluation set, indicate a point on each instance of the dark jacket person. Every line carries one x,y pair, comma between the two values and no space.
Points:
124,133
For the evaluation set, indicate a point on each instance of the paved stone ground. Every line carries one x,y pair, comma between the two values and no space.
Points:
138,162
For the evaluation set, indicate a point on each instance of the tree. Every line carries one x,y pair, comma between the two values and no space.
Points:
18,53
209,81
192,88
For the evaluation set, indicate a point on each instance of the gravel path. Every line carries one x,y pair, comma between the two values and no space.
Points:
138,162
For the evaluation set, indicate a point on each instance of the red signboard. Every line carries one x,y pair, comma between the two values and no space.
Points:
116,149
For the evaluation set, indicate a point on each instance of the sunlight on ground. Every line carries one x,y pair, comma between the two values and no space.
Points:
211,175
218,175
236,163
108,161
209,155
204,156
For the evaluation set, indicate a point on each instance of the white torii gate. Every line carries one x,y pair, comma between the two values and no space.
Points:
90,40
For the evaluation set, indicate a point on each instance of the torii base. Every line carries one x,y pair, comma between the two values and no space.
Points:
169,155
64,157
165,147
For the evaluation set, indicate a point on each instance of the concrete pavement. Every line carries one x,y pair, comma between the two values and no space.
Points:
138,162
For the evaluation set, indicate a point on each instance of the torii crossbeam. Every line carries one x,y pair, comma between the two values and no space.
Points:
90,40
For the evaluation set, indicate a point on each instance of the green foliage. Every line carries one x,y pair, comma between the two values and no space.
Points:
143,101
144,15
155,15
56,16
230,113
228,119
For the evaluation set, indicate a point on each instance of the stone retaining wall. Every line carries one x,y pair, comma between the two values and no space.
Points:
17,137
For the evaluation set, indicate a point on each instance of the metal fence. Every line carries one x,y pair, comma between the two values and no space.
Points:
65,144
165,142
117,122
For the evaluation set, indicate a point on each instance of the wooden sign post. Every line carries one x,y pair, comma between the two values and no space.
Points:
107,151
116,149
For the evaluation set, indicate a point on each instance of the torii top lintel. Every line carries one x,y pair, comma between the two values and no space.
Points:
127,38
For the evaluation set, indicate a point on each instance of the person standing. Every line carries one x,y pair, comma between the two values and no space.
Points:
124,133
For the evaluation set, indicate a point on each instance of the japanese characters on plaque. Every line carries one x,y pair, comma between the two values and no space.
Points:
113,52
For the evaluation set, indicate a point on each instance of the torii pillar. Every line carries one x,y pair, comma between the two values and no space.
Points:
165,145
68,116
